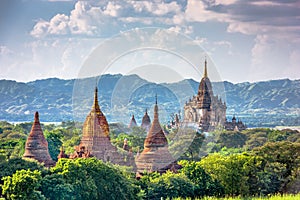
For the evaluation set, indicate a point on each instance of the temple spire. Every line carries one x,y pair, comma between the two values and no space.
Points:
156,108
95,104
36,117
205,69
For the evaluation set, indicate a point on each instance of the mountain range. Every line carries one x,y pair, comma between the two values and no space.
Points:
267,103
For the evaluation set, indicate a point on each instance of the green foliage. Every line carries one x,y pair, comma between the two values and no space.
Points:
9,167
204,184
23,127
187,144
53,186
282,162
273,197
232,139
92,179
22,185
168,185
54,142
229,170
135,139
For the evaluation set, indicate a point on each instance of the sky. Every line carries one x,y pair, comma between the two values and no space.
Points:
243,40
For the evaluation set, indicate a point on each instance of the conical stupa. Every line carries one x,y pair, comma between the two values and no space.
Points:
36,146
132,122
156,155
146,122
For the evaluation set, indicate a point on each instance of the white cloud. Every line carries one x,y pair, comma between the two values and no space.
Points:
273,24
196,11
272,58
59,57
266,3
113,9
4,50
221,2
107,17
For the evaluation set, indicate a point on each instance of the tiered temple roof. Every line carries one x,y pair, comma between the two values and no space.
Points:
36,146
205,91
205,110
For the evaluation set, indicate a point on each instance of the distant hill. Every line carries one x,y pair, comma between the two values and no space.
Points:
268,103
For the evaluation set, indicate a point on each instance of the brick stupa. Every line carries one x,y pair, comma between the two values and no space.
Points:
95,141
155,156
146,121
132,122
36,146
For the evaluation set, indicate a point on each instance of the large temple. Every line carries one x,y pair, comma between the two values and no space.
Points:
36,146
95,141
205,110
155,156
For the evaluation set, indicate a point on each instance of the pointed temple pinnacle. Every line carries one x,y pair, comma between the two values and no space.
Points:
36,117
156,108
95,104
205,68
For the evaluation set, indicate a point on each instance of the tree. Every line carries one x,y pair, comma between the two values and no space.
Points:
168,185
54,142
282,161
54,186
9,167
232,139
229,170
204,184
187,144
93,179
22,185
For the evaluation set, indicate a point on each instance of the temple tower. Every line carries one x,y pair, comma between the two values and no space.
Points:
146,122
132,122
205,110
36,146
95,141
156,155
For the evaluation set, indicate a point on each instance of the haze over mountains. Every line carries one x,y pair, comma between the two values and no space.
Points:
268,103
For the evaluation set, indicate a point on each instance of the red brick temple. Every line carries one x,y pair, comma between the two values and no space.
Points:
36,146
132,122
146,122
155,156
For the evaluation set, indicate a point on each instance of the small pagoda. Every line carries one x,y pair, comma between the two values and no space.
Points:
155,156
36,146
146,121
132,122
